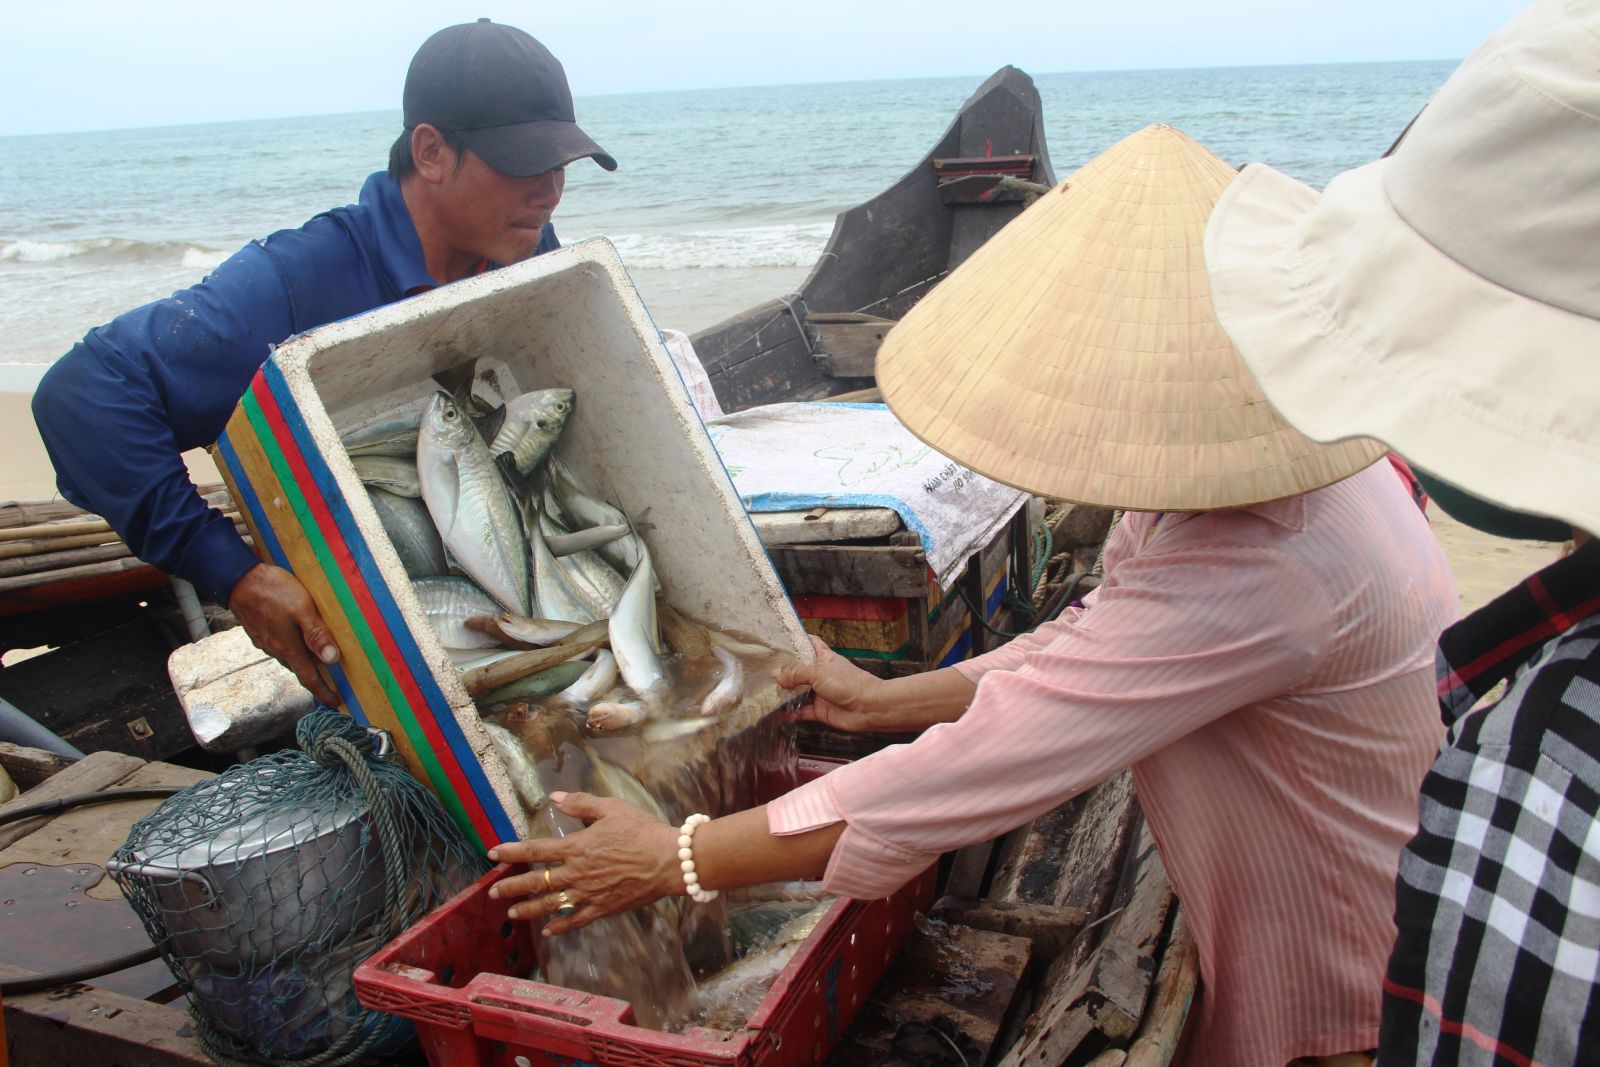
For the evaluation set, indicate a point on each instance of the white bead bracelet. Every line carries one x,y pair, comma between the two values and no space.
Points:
691,880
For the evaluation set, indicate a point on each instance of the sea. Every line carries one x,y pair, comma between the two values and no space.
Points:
724,197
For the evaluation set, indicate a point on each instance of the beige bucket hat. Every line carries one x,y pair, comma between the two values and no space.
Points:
1076,355
1445,299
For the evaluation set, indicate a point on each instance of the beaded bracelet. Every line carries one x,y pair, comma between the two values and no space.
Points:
691,880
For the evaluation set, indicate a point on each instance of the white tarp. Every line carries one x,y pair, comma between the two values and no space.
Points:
792,457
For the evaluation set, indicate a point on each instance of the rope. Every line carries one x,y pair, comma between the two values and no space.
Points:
332,740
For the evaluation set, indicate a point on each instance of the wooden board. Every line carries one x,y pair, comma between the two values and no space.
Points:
824,525
956,977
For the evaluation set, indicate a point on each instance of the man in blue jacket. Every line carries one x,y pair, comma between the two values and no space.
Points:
471,185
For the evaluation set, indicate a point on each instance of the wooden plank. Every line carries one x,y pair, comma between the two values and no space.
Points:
847,343
824,525
1083,1008
81,1025
95,831
957,979
852,570
30,766
1072,856
1177,977
96,771
1050,929
107,691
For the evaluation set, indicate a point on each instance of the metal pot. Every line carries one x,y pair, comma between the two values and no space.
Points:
255,909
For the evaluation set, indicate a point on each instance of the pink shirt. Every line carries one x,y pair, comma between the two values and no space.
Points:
1268,674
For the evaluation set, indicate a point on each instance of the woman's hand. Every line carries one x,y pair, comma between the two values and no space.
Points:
625,859
841,692
846,697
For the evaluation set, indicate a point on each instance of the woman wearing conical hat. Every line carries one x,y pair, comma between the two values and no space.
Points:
1260,652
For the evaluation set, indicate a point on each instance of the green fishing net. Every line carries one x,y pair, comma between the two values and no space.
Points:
265,886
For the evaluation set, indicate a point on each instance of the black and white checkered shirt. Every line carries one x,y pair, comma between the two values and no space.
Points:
1498,907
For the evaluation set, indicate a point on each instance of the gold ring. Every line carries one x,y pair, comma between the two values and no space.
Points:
567,906
548,885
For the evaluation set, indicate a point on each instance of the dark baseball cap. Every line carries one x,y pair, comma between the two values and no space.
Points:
503,93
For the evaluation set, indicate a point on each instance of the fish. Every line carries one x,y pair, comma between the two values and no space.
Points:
392,437
599,679
471,505
553,594
725,694
450,602
533,422
635,637
727,1000
519,664
585,574
613,715
585,510
684,636
396,474
411,532
565,544
534,686
519,767
519,631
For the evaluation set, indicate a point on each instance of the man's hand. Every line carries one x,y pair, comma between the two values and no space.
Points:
278,614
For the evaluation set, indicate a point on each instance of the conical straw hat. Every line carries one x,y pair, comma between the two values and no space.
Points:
1076,355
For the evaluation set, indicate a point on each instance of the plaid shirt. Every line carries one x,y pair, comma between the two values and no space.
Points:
1498,955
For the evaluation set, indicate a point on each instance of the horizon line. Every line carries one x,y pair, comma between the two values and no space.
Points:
160,125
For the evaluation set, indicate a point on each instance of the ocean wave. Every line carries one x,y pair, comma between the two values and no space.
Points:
796,245
112,249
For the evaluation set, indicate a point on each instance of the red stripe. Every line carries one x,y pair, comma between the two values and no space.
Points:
470,802
1451,1026
1557,621
853,608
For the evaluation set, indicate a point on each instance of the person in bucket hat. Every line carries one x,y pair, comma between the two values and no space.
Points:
1446,300
472,182
1260,651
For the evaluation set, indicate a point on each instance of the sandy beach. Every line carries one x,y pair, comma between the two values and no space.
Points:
1484,566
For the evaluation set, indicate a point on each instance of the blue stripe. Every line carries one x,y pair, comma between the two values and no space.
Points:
393,618
252,503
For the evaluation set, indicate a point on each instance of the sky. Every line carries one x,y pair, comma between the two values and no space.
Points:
109,64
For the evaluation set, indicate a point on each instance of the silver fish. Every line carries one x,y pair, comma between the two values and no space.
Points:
635,636
449,602
532,633
393,437
593,581
471,505
565,544
725,694
598,680
519,766
411,531
532,423
395,474
727,1000
609,716
583,509
551,592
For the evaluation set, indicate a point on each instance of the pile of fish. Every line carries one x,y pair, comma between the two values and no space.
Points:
585,678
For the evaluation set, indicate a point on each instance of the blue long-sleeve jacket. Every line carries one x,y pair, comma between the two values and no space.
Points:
117,411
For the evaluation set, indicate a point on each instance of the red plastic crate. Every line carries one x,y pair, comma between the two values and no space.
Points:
453,975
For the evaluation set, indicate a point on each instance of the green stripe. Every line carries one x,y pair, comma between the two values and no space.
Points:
359,625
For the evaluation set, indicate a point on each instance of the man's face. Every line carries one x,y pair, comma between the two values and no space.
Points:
496,216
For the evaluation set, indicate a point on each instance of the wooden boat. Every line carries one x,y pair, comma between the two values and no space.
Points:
885,254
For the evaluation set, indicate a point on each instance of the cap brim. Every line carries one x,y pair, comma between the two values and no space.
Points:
528,148
1354,324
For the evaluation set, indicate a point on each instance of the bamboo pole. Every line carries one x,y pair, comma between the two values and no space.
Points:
39,546
48,561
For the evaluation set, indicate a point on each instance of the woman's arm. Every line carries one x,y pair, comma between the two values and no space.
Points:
848,698
628,859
